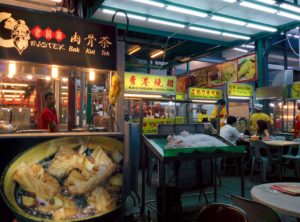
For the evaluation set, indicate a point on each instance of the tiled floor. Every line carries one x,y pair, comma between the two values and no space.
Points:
192,205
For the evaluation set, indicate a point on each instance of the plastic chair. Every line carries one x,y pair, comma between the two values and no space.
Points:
256,212
278,138
294,158
221,213
264,161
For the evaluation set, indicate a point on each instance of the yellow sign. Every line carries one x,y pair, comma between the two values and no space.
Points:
180,96
150,83
203,93
295,90
244,90
150,124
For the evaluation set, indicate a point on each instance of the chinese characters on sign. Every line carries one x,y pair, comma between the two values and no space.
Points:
150,83
203,93
244,90
51,39
295,90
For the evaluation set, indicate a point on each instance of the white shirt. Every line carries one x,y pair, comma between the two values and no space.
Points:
230,133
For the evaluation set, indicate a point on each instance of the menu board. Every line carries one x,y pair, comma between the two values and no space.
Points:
247,68
238,70
181,84
243,90
201,77
229,71
214,76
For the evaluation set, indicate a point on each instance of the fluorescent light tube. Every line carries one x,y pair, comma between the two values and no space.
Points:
228,20
204,30
269,2
230,1
203,101
156,54
111,12
235,36
240,50
261,27
186,11
149,2
165,23
13,84
258,7
13,91
239,97
134,50
142,95
290,7
289,15
248,46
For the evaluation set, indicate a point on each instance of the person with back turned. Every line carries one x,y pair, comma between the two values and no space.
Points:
223,113
49,116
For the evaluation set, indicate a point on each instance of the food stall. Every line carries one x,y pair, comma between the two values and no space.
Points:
281,97
159,107
240,102
41,52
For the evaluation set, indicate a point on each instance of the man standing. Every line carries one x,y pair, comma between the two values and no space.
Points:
49,116
258,115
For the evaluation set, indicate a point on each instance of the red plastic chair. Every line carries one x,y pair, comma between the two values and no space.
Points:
221,213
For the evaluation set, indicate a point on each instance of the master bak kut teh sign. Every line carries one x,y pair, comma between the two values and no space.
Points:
55,39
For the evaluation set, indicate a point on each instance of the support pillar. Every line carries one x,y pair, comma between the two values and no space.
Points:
119,109
71,101
88,111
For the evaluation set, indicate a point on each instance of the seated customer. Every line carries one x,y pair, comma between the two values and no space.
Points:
229,131
262,129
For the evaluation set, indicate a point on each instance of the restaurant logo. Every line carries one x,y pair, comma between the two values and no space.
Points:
19,32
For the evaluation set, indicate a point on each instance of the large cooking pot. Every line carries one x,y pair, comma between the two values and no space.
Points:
5,126
42,151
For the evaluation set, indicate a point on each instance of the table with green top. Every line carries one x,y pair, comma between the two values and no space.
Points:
155,144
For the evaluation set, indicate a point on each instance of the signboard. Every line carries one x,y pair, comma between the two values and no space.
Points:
49,38
238,70
150,124
244,90
181,84
203,93
295,90
147,83
247,68
180,96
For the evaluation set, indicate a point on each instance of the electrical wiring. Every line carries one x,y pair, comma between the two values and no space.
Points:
291,47
127,22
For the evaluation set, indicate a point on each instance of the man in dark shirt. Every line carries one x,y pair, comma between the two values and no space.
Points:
49,116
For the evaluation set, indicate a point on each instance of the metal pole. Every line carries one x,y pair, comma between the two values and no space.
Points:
82,89
285,61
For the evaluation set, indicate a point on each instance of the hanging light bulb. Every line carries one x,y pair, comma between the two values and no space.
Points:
92,75
12,69
54,72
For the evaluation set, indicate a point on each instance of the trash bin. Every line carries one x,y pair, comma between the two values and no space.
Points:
173,204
